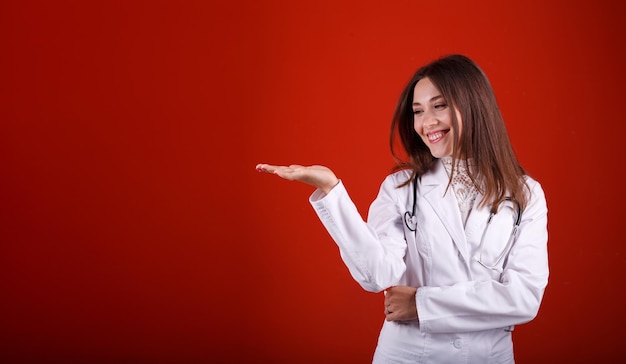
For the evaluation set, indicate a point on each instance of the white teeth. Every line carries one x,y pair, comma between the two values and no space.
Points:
435,136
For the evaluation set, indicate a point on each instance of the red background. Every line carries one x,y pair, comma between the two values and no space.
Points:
134,228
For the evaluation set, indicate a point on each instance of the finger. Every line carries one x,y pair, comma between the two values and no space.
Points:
262,167
267,168
289,173
389,316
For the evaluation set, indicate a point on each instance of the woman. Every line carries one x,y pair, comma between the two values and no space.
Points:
457,236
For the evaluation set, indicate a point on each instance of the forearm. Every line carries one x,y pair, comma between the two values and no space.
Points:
475,306
374,262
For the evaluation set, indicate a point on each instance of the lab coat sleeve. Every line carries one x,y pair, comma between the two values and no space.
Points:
373,251
514,299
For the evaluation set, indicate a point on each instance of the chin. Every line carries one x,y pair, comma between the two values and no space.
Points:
439,154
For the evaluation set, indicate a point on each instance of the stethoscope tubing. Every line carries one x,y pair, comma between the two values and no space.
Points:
410,220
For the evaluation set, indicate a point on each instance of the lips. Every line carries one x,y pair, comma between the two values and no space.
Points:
435,136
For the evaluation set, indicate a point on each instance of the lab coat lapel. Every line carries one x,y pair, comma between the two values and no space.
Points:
445,205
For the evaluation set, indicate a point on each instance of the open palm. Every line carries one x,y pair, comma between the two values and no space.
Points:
318,176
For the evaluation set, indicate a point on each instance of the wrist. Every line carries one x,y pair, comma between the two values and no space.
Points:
328,187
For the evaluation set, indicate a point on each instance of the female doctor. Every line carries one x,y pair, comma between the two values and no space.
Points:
457,236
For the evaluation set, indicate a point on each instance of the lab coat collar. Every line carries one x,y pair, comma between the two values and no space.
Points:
433,189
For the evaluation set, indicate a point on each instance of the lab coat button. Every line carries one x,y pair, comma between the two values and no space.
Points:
458,343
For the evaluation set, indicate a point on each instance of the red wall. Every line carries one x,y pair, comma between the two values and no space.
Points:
134,228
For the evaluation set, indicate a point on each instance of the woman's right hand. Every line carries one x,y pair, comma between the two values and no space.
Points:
317,176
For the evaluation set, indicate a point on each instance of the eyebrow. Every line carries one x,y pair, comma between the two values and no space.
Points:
434,98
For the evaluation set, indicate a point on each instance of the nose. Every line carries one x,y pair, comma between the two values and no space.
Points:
428,120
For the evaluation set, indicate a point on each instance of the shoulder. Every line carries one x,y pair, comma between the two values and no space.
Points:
390,187
395,179
533,184
536,195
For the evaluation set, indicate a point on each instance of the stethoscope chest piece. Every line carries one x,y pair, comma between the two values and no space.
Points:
410,220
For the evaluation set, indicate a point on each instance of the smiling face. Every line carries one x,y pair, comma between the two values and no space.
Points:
432,118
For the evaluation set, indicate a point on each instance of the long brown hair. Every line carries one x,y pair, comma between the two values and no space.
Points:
483,139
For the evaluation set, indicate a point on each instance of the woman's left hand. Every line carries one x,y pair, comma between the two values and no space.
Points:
400,303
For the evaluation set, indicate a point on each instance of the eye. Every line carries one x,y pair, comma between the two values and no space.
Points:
440,106
417,112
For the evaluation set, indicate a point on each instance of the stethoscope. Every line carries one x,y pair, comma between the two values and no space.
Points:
410,220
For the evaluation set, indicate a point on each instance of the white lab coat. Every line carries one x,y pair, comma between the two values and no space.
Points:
466,312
